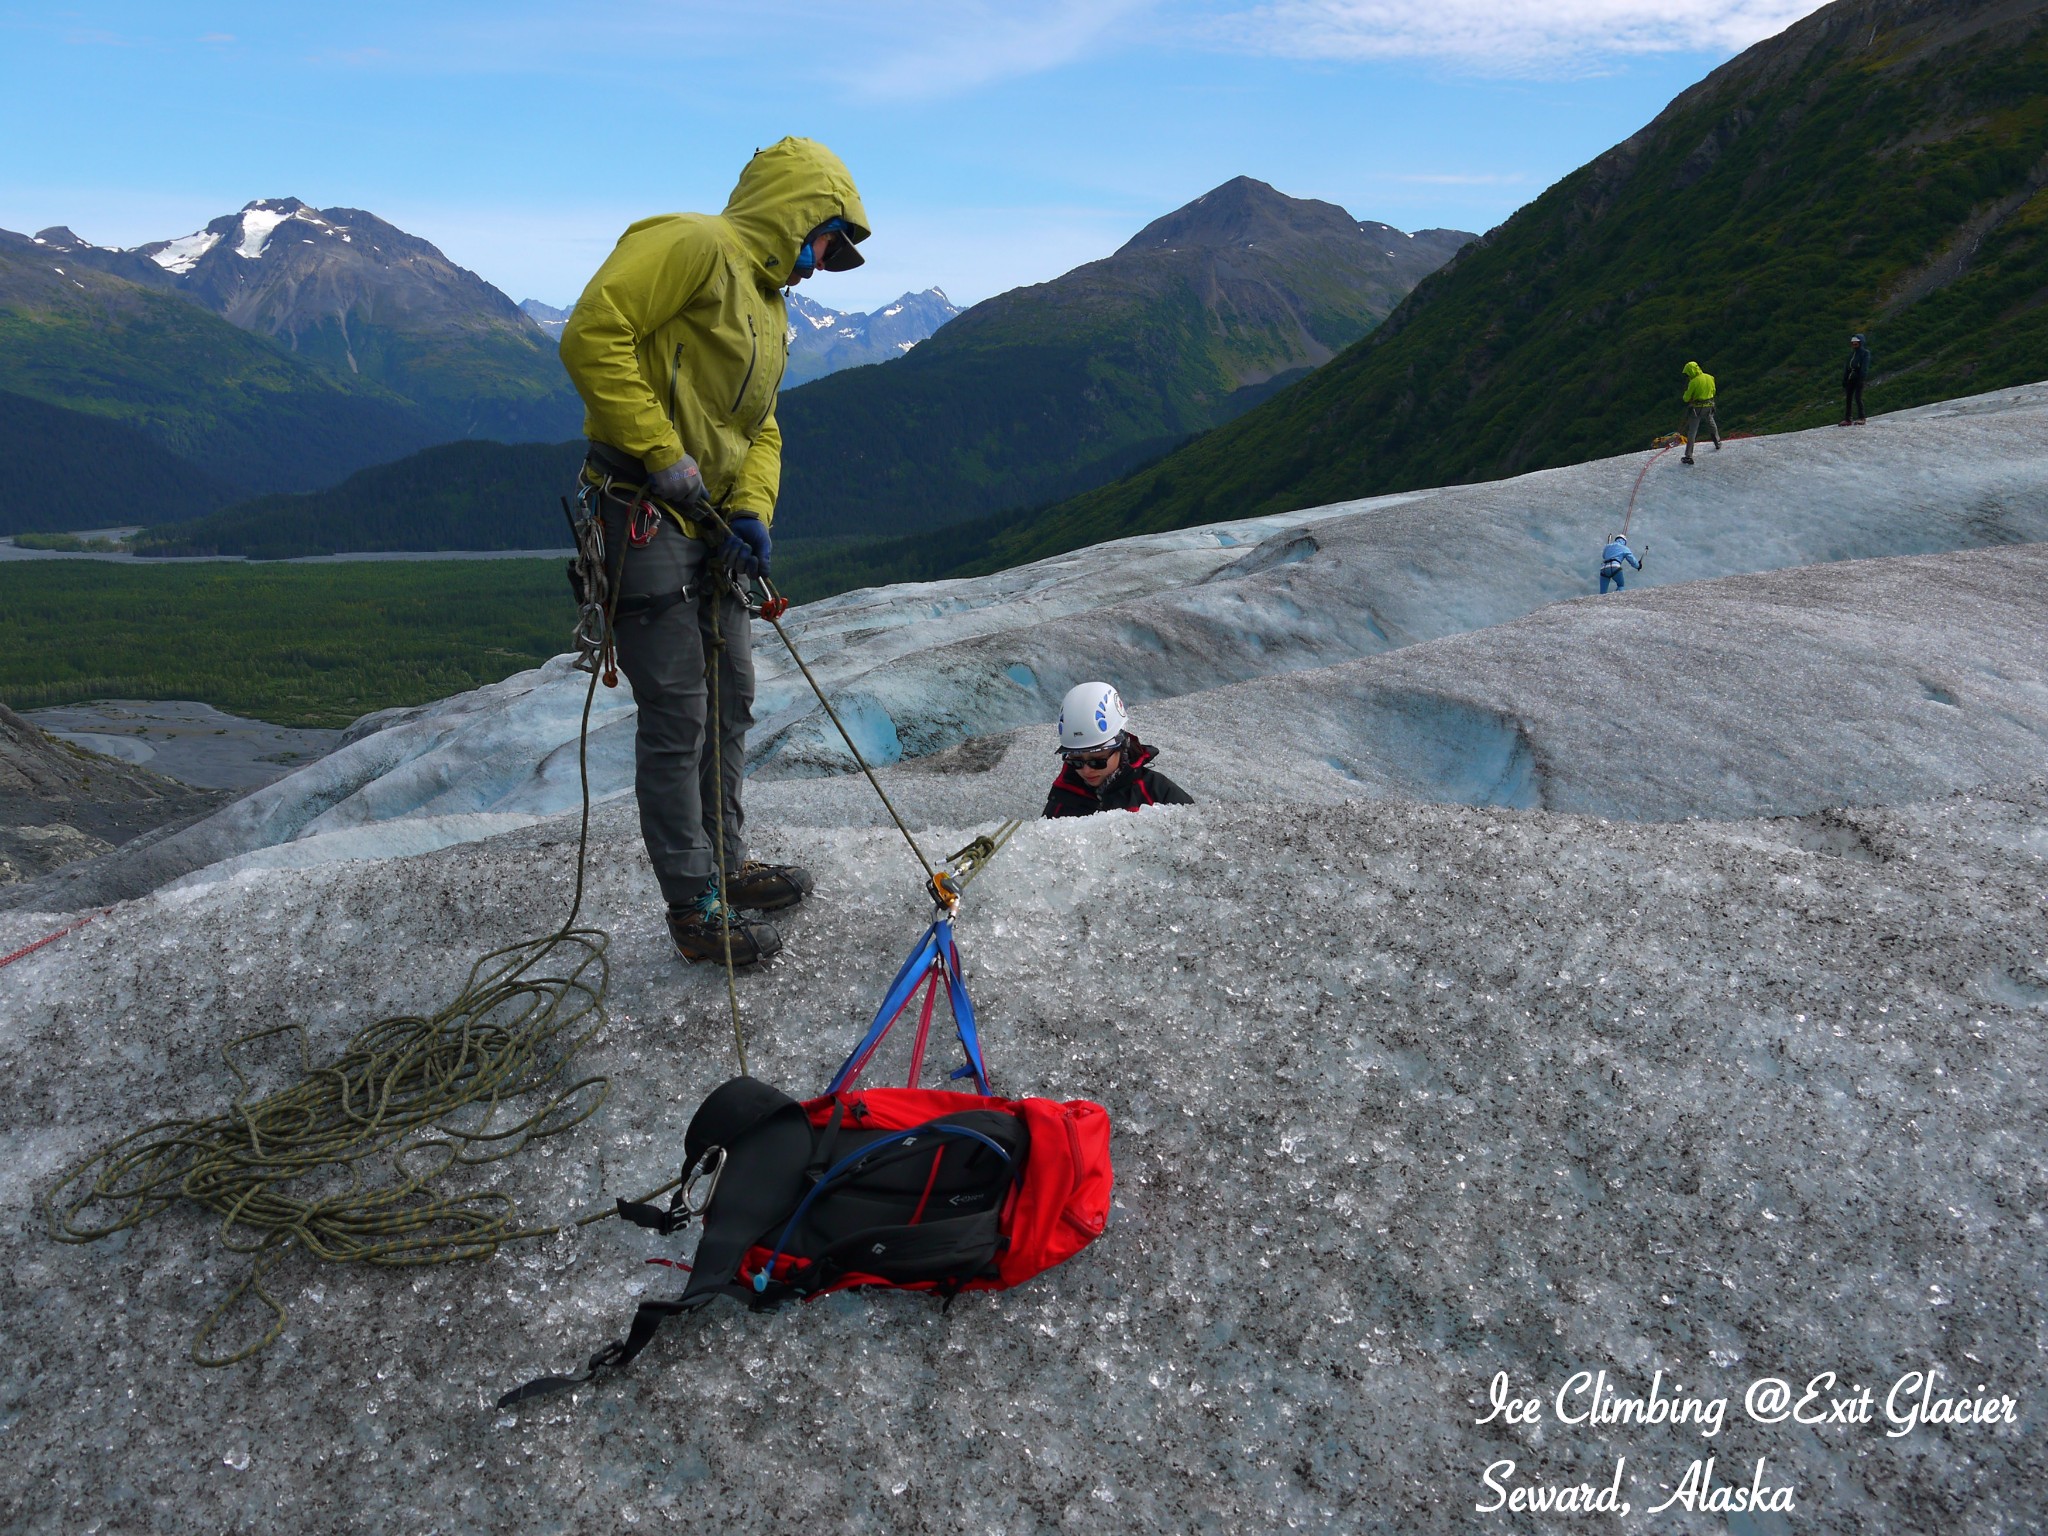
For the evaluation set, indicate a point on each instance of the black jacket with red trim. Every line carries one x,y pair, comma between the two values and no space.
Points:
1131,788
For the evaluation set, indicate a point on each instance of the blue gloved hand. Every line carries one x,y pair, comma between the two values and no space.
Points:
681,485
746,551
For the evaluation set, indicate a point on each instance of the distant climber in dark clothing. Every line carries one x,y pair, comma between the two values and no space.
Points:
1104,767
1612,559
1853,378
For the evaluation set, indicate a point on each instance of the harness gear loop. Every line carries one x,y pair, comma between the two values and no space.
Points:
596,589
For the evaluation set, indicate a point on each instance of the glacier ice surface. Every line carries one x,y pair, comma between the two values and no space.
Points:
1405,1094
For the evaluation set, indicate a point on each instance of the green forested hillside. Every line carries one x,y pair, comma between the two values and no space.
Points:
1044,390
466,495
217,397
53,465
292,644
1881,167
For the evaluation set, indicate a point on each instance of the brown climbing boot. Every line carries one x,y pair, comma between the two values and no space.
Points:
705,928
758,887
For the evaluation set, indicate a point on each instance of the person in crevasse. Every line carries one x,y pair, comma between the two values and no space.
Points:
1613,557
1103,766
677,347
1699,409
1854,376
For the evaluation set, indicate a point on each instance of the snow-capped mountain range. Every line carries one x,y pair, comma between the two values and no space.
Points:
280,267
362,298
546,316
822,340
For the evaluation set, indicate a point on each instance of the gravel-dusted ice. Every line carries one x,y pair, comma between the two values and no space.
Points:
1558,1017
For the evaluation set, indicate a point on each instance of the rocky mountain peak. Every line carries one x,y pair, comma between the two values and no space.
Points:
823,340
1241,211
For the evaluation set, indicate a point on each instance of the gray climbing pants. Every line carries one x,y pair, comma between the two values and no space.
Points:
676,760
1698,416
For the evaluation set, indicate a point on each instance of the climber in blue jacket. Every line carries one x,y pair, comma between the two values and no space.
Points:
1613,557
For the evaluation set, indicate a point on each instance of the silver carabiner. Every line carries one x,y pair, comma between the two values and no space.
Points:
696,1195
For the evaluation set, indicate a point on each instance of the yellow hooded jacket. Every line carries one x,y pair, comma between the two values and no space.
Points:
1699,386
678,343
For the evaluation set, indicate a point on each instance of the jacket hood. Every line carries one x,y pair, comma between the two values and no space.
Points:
1692,370
786,191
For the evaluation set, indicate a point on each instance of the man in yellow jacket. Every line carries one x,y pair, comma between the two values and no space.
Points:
677,347
1699,405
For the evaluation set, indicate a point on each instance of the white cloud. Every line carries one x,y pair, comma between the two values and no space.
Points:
841,50
958,46
1510,36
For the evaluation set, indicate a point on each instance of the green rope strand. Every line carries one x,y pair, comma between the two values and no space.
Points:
347,1164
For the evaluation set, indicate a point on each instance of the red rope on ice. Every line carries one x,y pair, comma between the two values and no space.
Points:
1644,472
1653,458
29,949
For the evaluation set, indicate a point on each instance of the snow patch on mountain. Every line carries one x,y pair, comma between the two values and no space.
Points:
258,223
546,316
823,340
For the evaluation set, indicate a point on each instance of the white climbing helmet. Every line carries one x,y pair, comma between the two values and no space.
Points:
1091,715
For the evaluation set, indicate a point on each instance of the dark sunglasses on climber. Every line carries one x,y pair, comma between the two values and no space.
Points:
1094,760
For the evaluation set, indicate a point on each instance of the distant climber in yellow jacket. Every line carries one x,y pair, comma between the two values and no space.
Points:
1699,406
677,347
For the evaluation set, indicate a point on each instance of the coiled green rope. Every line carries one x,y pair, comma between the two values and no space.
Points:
346,1164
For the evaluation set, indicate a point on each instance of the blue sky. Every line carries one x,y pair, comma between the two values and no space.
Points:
995,143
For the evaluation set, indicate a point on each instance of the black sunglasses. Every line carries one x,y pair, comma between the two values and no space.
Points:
1101,761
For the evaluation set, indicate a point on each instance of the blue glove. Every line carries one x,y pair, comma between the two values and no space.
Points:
681,485
746,551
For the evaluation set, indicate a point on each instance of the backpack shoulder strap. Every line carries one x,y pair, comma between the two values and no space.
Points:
767,1140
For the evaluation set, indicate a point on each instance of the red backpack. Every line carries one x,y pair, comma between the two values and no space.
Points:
907,1188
